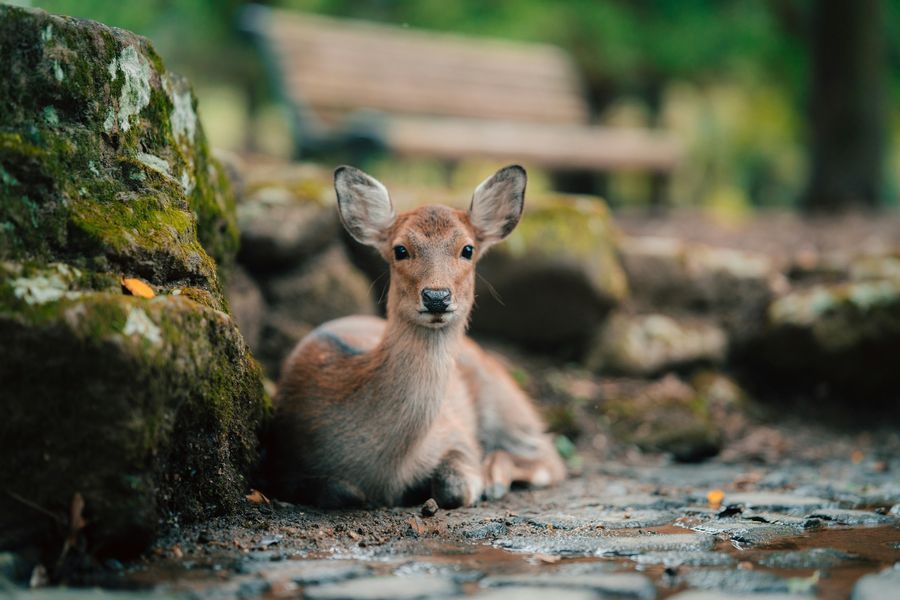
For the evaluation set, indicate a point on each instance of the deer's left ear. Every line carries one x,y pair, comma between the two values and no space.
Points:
497,204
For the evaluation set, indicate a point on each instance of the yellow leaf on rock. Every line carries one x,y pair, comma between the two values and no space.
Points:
138,288
257,497
715,497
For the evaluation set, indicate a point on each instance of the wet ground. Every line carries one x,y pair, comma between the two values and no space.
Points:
824,525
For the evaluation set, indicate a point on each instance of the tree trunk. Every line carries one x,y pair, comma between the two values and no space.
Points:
846,105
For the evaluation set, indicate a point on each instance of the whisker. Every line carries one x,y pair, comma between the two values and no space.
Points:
494,293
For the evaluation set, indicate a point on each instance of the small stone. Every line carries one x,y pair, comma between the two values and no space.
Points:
812,558
775,502
384,588
620,585
491,529
737,581
531,593
838,516
698,558
307,572
745,532
430,508
720,595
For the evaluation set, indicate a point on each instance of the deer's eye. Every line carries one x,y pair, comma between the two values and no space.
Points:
401,253
467,252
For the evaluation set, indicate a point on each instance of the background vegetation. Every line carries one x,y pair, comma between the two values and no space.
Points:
731,77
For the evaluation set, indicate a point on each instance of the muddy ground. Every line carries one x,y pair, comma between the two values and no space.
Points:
634,525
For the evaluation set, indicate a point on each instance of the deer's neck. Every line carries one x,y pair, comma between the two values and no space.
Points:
411,368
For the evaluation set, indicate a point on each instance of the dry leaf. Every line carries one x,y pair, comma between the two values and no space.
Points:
257,497
138,288
857,456
715,497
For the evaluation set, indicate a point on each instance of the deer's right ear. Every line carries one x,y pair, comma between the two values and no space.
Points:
364,205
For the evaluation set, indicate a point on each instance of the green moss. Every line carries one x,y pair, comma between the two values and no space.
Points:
156,426
144,406
573,228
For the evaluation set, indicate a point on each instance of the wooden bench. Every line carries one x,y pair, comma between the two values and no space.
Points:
444,96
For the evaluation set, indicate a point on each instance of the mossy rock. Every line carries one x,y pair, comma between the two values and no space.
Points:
845,336
288,214
103,162
646,345
667,416
554,280
145,407
671,276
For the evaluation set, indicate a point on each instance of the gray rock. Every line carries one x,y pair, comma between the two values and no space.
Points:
645,345
736,580
634,545
839,516
777,502
601,519
733,287
721,595
604,545
699,558
745,532
879,586
562,254
812,558
482,531
532,593
842,335
620,585
325,288
307,572
385,588
283,224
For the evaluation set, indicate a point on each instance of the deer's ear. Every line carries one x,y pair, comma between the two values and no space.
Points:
364,205
497,204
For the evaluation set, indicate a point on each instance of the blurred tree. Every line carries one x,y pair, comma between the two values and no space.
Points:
847,109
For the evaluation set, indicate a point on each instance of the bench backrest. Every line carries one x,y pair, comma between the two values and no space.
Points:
335,66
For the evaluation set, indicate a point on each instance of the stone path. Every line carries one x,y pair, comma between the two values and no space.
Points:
622,531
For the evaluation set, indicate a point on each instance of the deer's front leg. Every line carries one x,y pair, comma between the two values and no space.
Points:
457,480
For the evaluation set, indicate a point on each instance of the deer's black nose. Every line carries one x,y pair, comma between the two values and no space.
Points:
436,301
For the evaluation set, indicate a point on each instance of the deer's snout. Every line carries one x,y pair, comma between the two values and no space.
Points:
436,300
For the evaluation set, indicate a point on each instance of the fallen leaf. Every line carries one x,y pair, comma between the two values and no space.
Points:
138,288
257,497
177,552
715,497
857,456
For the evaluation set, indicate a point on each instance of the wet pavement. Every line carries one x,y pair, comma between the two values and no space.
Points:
821,529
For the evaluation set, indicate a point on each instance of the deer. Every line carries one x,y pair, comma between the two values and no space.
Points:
385,412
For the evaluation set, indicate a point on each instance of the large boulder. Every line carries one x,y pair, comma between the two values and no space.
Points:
556,277
844,335
140,405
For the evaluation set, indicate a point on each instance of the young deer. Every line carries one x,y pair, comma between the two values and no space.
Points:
375,412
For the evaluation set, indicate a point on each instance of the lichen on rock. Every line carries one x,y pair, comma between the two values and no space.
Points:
147,408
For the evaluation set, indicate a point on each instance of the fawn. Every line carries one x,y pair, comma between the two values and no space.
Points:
383,412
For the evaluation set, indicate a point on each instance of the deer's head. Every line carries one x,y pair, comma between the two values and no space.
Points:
431,250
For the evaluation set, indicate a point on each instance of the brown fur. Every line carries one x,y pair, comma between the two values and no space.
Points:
370,411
